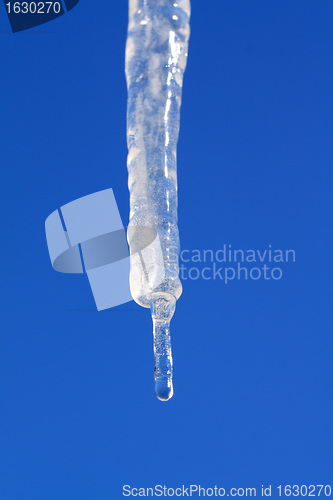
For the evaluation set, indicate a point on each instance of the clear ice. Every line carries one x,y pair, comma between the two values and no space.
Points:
156,56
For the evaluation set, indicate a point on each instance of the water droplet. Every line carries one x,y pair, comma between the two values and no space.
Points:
163,388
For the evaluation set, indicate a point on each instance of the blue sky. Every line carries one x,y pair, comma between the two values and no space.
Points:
253,359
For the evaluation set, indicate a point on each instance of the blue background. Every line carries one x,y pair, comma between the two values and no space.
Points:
253,359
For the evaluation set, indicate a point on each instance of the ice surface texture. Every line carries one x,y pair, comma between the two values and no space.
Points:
156,55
